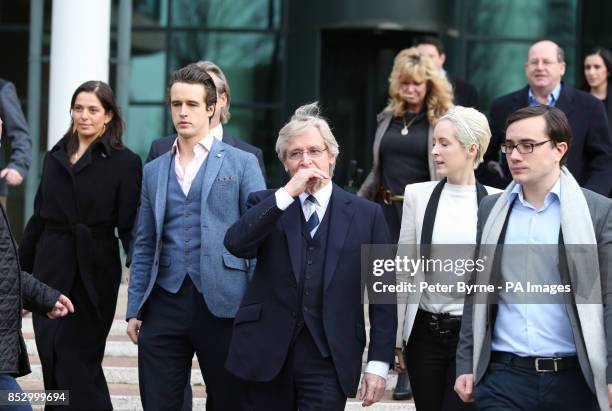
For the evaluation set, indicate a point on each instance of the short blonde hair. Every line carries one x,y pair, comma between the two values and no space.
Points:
471,127
305,117
410,64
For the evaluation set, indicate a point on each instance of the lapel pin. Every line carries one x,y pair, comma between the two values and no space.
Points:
103,155
218,155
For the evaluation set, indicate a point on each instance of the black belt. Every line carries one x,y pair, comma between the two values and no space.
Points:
95,230
539,364
442,325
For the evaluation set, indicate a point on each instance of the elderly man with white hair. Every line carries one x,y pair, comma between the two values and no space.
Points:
299,334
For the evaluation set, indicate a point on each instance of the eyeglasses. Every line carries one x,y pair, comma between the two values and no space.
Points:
522,148
312,153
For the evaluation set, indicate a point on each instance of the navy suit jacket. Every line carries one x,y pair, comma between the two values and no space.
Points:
164,144
265,322
590,154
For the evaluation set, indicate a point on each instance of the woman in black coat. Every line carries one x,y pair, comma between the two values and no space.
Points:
89,190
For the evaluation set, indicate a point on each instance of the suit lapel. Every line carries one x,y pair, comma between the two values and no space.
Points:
566,101
339,222
521,99
213,163
161,193
293,231
228,139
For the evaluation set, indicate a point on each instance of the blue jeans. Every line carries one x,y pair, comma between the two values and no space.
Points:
506,387
8,383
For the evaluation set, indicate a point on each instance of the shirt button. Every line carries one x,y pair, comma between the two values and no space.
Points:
311,248
309,262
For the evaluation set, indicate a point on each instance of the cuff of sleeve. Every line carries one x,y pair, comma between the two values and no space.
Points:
379,368
283,198
23,172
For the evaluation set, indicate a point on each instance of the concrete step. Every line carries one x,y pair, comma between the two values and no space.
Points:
125,397
121,370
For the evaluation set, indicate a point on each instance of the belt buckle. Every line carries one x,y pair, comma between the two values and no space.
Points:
434,326
554,361
386,197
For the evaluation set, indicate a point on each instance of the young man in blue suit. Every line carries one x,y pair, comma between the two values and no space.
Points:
299,333
217,122
185,287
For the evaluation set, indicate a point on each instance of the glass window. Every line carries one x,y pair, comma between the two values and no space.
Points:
250,61
259,127
260,14
144,124
522,18
150,13
148,77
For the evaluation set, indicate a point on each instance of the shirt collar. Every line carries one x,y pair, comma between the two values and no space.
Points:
553,194
553,97
322,196
205,143
217,132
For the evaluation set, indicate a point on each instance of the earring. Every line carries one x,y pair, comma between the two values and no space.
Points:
103,129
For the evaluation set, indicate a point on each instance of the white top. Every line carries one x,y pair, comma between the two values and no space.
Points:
217,132
455,223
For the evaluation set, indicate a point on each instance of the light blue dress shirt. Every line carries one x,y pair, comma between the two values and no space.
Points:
552,97
533,330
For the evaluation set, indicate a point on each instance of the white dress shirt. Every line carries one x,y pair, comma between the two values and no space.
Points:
284,200
217,132
200,150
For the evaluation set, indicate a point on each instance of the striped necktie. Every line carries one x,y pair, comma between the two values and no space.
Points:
313,221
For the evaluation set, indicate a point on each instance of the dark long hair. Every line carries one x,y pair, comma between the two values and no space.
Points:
605,55
114,129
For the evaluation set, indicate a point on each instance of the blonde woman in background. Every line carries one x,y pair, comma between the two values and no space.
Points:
418,97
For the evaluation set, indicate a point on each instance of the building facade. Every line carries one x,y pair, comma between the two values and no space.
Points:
279,54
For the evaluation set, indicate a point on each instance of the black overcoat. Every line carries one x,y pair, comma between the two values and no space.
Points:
70,243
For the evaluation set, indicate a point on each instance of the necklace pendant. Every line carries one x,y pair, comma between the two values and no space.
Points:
404,131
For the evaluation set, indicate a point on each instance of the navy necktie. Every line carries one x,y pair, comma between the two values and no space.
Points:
313,221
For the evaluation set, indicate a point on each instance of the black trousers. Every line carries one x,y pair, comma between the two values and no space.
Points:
306,382
510,388
174,326
430,361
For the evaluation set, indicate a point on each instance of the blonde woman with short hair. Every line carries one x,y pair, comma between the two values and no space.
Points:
443,212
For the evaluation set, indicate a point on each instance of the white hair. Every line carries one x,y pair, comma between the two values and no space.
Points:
471,127
305,117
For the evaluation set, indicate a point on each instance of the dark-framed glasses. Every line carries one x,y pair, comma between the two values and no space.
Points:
312,153
522,148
